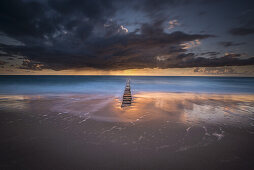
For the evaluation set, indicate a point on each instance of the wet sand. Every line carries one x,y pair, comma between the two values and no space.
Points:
158,131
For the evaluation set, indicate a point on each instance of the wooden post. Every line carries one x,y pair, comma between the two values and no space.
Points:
127,98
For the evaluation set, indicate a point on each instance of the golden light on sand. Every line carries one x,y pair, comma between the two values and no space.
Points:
179,107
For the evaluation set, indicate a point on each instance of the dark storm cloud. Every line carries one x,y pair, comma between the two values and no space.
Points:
37,18
190,60
230,44
91,9
31,65
246,22
120,51
242,31
158,5
210,53
34,19
65,34
24,19
227,60
2,62
201,13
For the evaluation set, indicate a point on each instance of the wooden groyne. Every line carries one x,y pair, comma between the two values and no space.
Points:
127,98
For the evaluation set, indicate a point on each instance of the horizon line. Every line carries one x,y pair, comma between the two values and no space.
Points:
251,76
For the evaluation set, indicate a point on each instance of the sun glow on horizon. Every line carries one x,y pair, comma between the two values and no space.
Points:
195,71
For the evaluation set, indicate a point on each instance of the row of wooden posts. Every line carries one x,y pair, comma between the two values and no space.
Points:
127,98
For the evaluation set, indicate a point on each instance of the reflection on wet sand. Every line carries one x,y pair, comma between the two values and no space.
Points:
179,107
158,131
187,108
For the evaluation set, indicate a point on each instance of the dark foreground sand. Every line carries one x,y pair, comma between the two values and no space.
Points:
159,131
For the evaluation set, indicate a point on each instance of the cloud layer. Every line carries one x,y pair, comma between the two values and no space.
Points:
65,34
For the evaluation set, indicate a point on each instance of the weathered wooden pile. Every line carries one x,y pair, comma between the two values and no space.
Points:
127,98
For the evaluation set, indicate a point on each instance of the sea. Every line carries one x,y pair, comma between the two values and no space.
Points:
114,85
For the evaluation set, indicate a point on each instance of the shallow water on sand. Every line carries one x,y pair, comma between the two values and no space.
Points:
158,131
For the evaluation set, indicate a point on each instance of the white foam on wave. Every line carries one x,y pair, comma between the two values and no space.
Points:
187,130
206,132
84,120
219,135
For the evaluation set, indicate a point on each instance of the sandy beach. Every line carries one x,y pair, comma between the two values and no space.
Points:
158,131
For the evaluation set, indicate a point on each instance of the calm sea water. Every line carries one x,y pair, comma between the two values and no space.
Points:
115,84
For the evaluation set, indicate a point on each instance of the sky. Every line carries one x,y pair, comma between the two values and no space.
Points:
114,37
